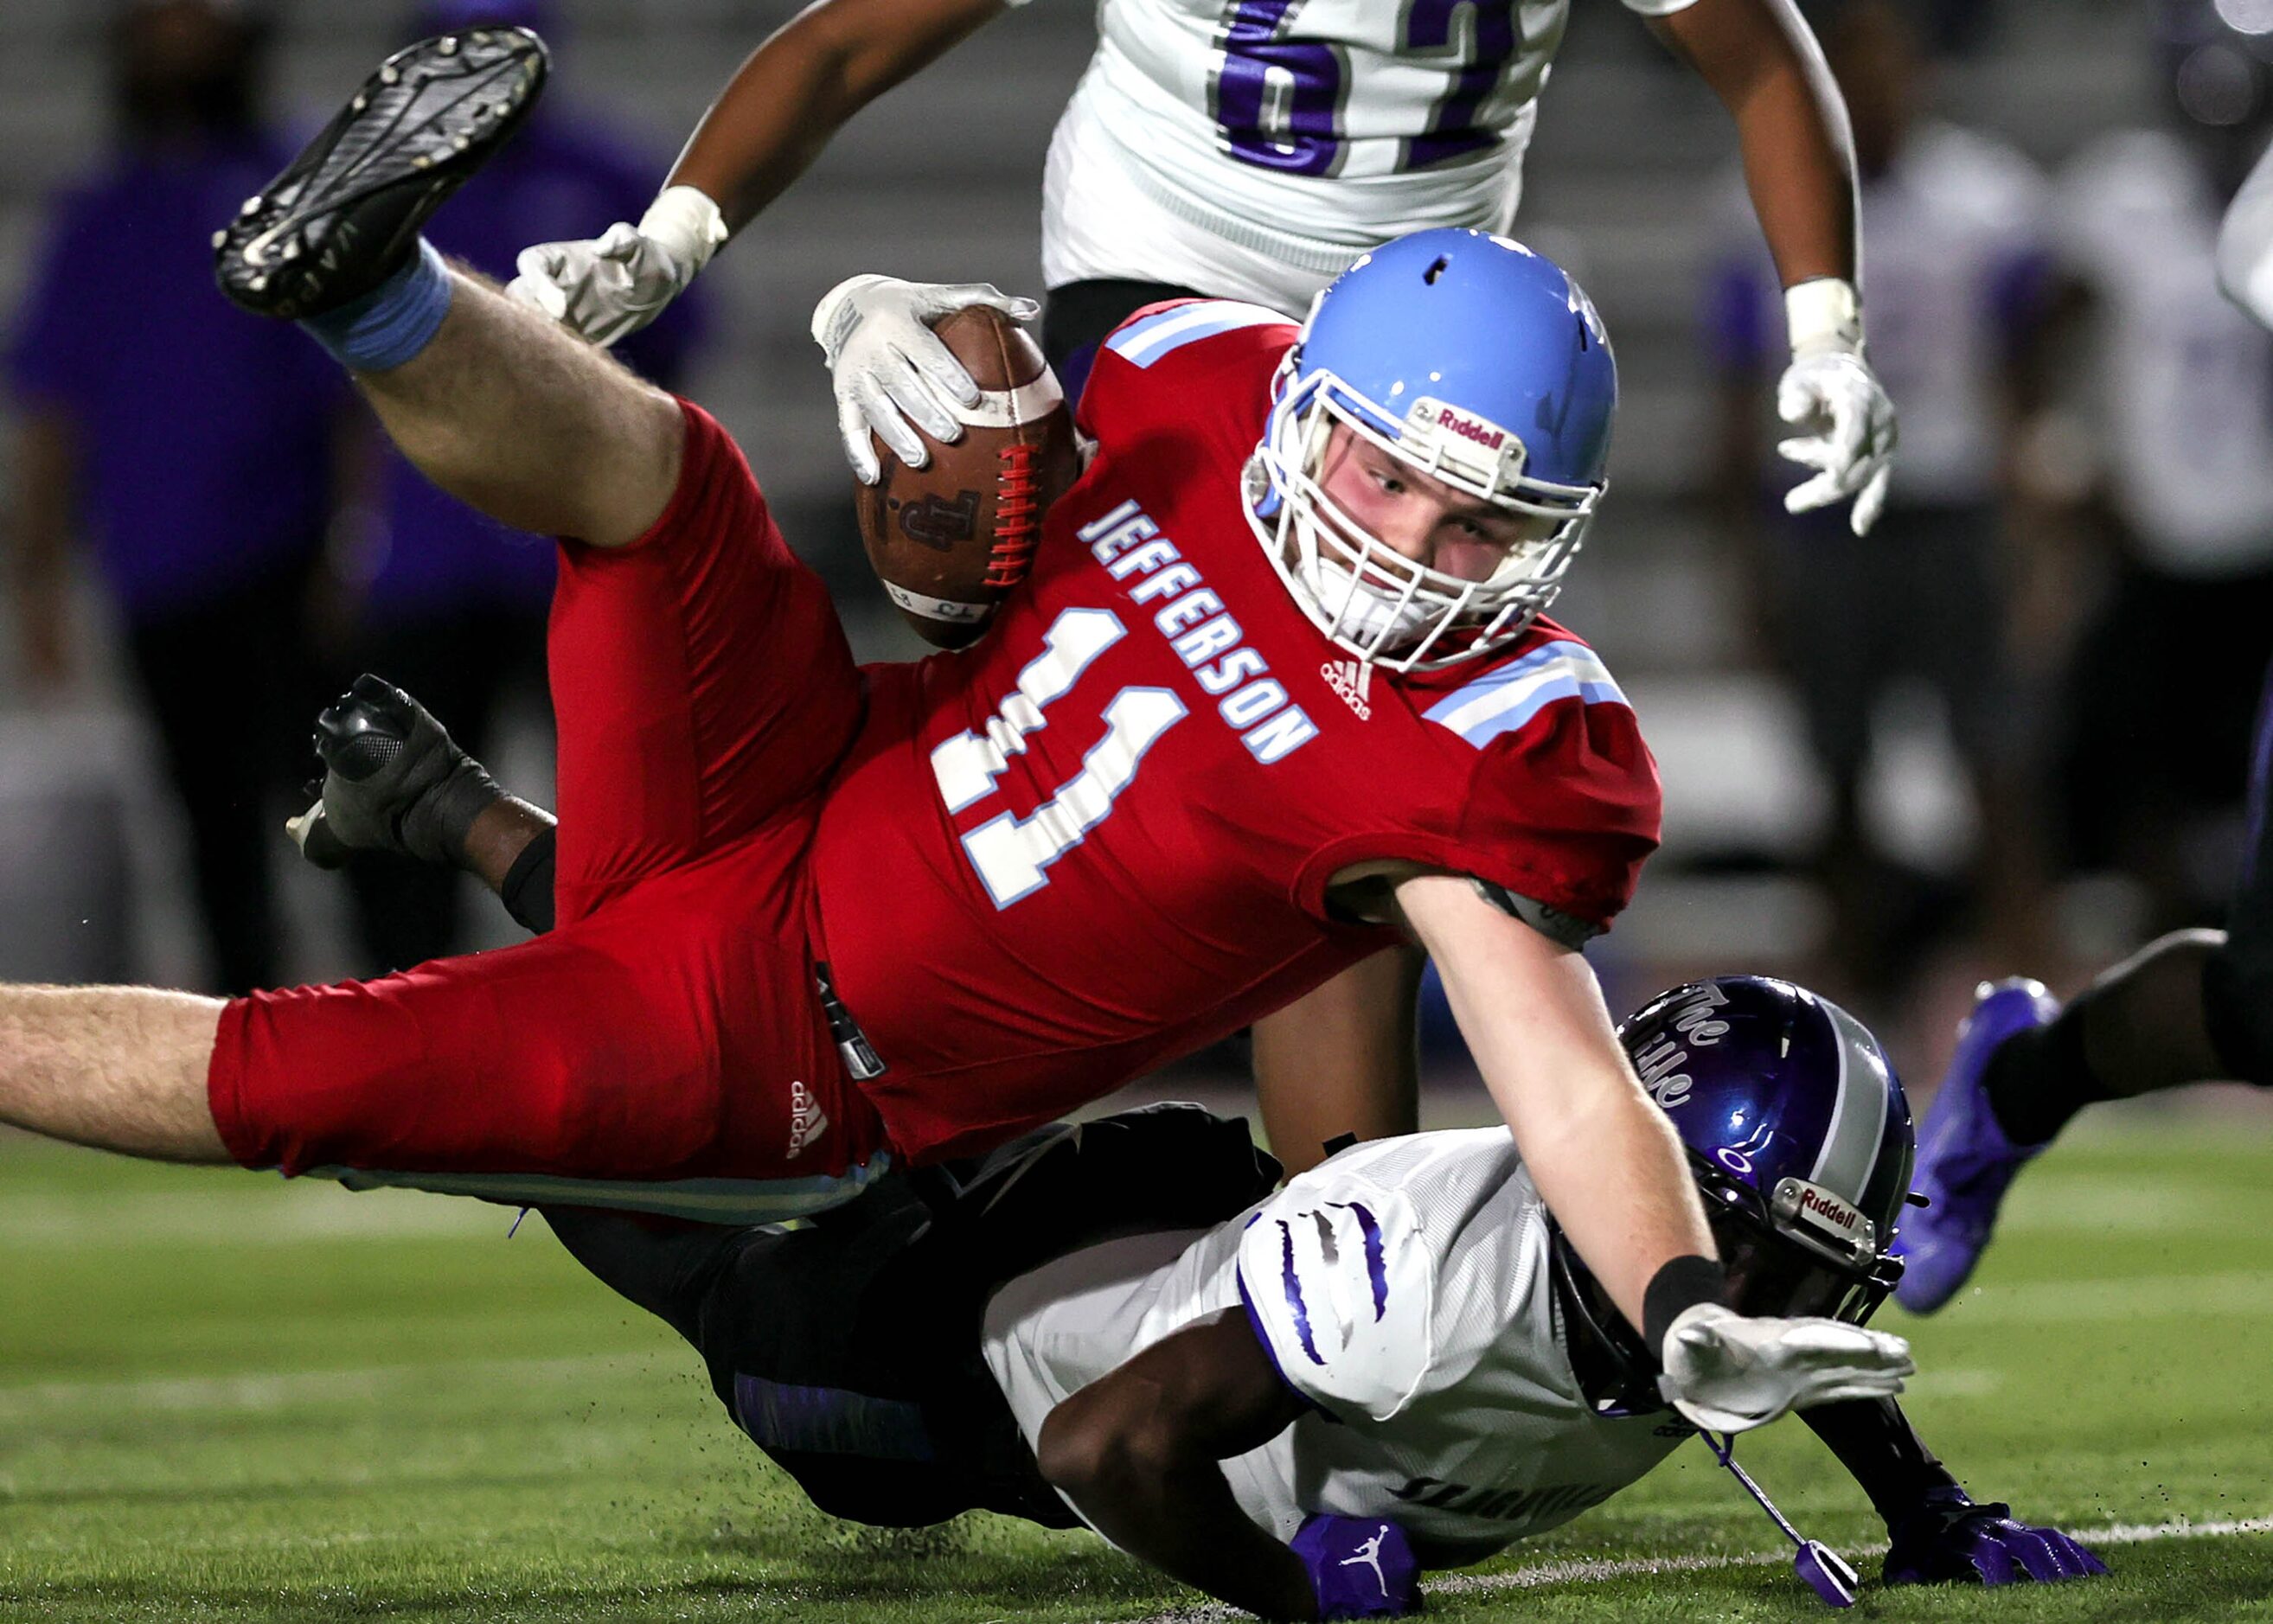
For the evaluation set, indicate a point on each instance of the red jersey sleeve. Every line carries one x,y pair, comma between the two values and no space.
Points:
1537,780
1190,365
1564,809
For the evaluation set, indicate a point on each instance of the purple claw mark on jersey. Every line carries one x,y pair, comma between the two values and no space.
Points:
1293,1286
1377,1265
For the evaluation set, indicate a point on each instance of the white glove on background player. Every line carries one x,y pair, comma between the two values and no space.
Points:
618,282
1845,422
890,369
1727,1372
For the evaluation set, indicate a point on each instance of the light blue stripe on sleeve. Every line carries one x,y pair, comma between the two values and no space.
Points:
1145,341
1505,701
1120,341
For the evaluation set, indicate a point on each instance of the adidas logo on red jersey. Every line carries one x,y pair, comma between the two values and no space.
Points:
807,1122
1352,679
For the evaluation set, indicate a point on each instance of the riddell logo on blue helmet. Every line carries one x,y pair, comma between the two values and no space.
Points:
1445,438
1471,428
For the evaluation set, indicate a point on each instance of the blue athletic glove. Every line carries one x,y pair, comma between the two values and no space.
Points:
1361,1568
1948,1539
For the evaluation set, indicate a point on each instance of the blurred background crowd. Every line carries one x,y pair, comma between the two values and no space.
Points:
2007,731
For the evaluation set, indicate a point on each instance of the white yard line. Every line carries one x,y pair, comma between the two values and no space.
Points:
1583,1570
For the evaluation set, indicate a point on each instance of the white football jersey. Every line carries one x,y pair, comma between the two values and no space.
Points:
1250,149
1404,1287
2184,379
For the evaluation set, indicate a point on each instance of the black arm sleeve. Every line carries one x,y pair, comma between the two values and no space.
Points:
1874,1441
1679,1285
527,893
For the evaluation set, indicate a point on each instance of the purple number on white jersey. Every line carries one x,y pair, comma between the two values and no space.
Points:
1275,97
1478,59
1279,99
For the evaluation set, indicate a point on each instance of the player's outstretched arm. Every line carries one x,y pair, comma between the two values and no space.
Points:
1137,1452
1762,61
781,108
1938,1534
1614,1174
1609,1164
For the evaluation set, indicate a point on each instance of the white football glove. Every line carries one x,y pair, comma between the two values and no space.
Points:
1727,1372
617,283
891,373
1846,425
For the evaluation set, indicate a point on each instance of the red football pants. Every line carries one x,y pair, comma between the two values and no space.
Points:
664,1048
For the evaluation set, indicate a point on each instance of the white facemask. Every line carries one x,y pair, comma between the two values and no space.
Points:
1363,593
1359,612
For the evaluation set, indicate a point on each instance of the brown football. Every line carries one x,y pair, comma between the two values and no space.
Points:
947,540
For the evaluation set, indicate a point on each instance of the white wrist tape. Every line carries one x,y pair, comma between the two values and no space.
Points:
1823,313
686,220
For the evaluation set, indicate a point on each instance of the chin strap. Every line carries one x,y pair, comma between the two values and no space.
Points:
1826,1572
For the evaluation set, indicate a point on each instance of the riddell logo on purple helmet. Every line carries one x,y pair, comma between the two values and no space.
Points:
1812,1203
1830,1209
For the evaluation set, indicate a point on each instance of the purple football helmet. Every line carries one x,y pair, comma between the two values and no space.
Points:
1800,1140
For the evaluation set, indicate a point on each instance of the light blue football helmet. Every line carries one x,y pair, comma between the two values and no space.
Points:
1482,365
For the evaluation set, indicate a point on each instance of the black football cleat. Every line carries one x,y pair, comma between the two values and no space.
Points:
344,215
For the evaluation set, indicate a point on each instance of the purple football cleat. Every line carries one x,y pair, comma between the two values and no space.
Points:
1965,1163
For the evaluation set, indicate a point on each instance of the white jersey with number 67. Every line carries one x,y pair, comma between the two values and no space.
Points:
1252,148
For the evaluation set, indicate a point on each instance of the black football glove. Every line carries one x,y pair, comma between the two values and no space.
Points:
394,782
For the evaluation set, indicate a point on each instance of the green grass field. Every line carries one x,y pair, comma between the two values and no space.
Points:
225,1398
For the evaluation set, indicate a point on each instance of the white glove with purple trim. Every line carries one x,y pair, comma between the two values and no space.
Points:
891,373
615,284
1846,425
1728,1373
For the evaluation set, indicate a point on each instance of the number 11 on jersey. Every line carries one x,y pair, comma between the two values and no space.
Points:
1010,852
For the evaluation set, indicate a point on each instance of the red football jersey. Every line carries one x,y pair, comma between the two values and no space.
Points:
1102,838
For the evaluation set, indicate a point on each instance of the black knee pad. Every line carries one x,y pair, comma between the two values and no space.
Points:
2238,1010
